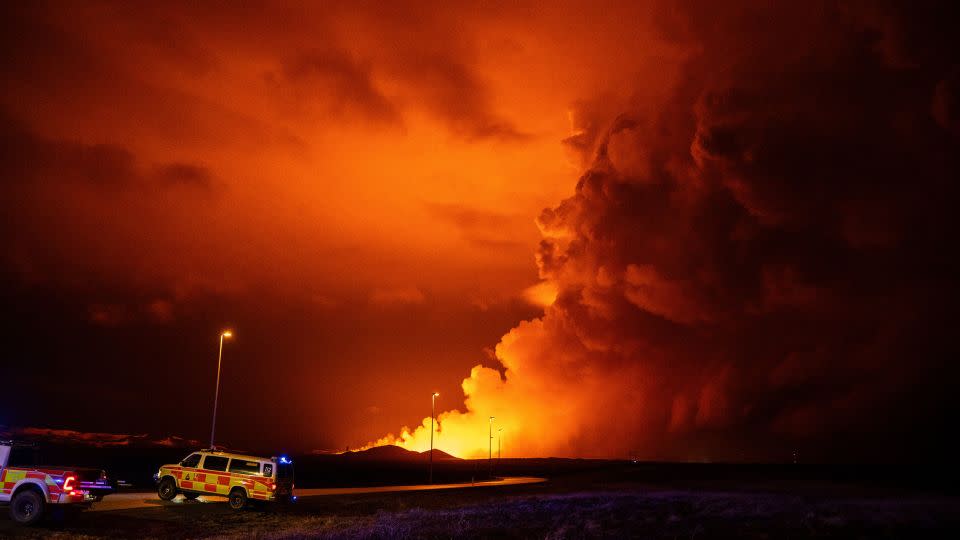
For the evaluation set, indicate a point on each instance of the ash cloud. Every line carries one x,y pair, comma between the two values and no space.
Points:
759,267
346,84
79,198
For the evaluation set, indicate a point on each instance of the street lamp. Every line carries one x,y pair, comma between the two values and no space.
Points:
216,396
499,444
433,408
490,455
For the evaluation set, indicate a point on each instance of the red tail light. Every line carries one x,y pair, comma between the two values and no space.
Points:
68,482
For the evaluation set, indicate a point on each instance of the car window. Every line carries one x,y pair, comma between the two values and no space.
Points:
244,467
268,469
215,463
191,461
23,456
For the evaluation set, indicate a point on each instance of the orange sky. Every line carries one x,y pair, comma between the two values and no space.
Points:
424,139
354,158
359,189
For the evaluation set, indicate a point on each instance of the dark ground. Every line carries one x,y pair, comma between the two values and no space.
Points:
583,499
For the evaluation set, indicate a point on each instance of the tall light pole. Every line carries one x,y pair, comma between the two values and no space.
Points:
216,396
490,456
499,444
433,409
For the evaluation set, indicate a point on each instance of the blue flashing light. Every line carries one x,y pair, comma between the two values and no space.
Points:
285,460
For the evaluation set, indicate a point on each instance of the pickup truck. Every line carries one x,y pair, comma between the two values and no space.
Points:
30,489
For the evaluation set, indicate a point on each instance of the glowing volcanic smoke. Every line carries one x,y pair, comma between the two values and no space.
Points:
754,268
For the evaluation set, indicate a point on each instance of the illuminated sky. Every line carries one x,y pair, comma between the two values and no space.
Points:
358,190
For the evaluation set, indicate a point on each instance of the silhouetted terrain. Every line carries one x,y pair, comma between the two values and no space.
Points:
584,499
391,465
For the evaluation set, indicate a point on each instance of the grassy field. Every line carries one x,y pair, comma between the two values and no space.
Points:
615,502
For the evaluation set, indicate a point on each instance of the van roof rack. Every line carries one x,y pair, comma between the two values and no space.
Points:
223,449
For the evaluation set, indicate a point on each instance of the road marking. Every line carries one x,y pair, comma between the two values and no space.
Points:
422,487
149,499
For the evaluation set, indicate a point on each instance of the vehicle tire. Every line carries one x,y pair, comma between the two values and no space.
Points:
26,507
167,489
238,499
190,496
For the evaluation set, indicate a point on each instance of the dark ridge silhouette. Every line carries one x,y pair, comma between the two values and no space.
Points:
438,454
392,452
382,453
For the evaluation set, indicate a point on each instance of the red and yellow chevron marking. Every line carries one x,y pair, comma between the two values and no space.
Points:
220,483
10,476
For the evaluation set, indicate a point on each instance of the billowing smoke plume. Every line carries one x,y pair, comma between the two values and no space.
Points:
760,265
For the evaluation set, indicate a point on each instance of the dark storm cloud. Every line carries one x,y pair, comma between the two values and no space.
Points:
444,86
453,92
31,161
762,265
92,54
185,174
340,82
434,54
481,228
83,200
36,162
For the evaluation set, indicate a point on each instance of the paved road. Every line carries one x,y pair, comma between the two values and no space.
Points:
149,499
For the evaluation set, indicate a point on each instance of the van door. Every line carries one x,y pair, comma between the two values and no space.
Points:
213,467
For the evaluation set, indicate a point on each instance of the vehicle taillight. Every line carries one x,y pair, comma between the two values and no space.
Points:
68,482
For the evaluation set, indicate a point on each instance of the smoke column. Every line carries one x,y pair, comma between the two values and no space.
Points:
755,265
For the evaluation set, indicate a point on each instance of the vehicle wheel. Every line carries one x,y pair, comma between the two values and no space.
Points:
238,499
167,489
27,506
191,496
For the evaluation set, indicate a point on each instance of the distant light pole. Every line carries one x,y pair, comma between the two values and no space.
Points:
216,396
490,455
433,409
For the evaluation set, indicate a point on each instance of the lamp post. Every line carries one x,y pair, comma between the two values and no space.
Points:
216,396
490,455
433,409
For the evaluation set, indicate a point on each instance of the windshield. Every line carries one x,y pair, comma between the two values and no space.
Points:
191,461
